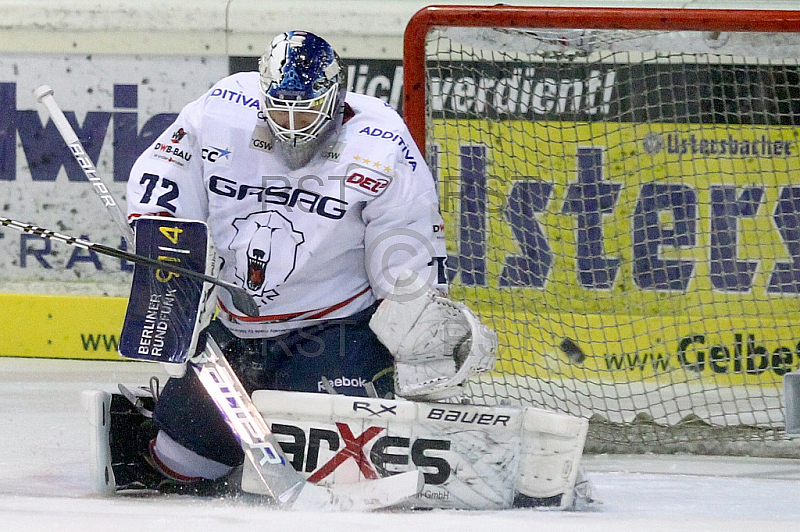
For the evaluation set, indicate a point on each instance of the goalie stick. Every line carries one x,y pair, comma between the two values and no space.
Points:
44,95
271,469
241,299
268,464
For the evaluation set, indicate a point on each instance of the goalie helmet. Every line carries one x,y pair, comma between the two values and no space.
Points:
303,85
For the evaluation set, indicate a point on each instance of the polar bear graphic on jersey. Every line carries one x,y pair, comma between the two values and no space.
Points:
266,246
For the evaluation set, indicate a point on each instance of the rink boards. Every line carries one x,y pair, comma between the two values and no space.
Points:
662,196
50,326
677,181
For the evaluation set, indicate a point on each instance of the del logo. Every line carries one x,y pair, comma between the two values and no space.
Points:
372,186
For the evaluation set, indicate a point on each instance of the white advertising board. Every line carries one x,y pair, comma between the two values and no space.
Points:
117,104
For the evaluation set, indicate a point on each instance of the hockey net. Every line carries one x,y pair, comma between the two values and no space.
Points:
623,207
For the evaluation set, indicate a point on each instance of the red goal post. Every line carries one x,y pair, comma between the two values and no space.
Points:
621,190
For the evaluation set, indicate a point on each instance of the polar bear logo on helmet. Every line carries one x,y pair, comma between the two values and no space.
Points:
266,246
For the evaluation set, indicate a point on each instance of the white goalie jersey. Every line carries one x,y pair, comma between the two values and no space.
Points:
321,242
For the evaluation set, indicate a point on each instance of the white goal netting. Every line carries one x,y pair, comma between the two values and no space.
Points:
623,207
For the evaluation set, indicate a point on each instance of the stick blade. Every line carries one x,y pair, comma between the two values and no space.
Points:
242,301
361,496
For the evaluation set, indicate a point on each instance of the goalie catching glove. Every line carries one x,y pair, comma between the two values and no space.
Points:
437,343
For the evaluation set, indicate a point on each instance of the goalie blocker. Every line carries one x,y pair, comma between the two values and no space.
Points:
166,311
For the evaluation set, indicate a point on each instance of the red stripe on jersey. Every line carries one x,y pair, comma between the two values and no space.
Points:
305,314
166,471
135,215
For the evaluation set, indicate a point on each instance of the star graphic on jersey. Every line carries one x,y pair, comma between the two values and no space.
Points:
222,151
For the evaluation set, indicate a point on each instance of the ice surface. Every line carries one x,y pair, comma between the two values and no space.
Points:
44,483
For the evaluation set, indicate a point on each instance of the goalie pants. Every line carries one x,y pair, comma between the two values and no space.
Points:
343,351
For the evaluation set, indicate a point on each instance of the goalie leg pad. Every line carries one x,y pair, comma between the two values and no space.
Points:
121,434
552,446
118,444
468,454
472,457
97,405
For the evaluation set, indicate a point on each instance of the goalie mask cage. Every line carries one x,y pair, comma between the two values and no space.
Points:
621,191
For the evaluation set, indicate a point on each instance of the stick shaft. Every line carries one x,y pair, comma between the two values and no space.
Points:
111,252
44,95
271,466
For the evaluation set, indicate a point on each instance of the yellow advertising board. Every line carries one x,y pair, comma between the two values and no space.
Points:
658,249
51,326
